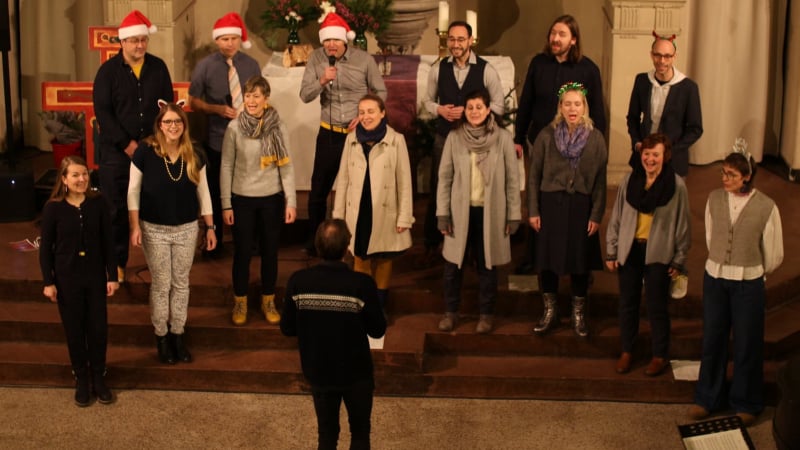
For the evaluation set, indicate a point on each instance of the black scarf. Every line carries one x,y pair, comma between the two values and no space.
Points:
659,194
374,136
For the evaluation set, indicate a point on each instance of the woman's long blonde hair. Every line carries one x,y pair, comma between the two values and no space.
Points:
185,149
573,87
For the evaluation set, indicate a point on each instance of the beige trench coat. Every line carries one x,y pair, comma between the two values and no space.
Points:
501,202
390,184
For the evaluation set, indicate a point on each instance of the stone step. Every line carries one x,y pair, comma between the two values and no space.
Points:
278,371
411,334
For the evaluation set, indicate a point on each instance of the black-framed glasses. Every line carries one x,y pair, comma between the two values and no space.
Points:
460,40
171,122
664,56
729,175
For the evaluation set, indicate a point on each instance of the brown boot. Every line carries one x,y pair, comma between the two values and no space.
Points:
268,308
239,316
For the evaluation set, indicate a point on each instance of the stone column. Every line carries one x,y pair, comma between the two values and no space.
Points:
410,21
628,36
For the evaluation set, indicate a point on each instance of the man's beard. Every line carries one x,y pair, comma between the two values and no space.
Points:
561,50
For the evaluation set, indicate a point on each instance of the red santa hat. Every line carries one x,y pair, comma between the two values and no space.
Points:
231,23
135,24
334,27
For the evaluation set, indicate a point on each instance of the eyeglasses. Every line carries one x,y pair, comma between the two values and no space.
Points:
663,56
460,40
171,122
137,41
729,175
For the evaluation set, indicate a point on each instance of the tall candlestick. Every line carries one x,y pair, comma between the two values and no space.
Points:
444,16
472,20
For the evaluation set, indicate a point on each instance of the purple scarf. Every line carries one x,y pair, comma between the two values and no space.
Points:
571,147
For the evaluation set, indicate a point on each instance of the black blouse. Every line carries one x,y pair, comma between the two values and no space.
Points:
77,241
163,200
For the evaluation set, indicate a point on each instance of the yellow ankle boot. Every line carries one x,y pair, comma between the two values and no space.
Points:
268,308
239,316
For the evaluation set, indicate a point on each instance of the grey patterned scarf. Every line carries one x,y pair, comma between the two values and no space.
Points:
479,141
267,128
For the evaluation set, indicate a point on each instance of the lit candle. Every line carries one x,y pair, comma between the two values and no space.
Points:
444,16
472,20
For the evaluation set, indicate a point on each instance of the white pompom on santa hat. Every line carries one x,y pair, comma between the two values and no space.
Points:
334,27
231,23
135,24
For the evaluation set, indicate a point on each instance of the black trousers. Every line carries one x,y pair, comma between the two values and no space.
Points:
579,283
261,218
212,173
82,306
433,237
487,278
115,169
656,293
358,401
327,157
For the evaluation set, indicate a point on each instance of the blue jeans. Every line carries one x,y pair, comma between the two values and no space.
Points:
738,306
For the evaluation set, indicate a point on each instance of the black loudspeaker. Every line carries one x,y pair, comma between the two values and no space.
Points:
5,27
17,196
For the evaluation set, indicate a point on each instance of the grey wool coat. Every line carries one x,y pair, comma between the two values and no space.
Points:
501,197
670,233
390,187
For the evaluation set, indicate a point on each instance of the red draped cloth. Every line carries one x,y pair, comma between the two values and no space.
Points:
401,84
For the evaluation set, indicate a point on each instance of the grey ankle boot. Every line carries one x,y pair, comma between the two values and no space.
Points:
579,316
448,322
485,324
549,318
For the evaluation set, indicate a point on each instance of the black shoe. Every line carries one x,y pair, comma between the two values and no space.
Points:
179,346
82,394
310,249
524,268
165,353
103,393
431,258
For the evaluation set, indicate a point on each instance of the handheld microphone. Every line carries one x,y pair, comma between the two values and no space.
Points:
331,63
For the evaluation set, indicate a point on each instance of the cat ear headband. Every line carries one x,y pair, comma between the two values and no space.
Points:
671,39
163,103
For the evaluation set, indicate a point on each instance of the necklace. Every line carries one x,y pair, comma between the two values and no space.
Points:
180,174
738,201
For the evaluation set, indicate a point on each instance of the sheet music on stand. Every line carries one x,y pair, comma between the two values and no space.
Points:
726,433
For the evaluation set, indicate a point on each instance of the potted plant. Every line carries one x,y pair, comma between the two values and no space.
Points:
68,130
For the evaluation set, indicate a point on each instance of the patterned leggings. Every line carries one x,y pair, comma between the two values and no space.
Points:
169,251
